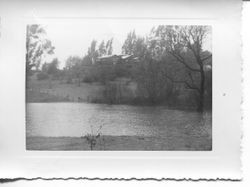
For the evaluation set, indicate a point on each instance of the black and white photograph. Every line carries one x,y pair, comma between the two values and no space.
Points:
118,85
122,90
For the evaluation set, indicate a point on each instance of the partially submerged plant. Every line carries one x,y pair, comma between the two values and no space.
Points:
92,137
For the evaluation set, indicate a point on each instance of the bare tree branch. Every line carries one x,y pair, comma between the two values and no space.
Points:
183,82
191,87
191,77
203,59
181,60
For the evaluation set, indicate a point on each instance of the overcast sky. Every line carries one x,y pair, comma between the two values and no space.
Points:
74,37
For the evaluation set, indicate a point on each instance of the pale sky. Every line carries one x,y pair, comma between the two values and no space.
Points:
74,37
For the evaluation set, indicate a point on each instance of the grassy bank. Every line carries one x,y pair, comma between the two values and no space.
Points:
117,143
33,96
57,91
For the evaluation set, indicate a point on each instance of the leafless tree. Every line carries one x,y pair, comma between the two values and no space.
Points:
180,40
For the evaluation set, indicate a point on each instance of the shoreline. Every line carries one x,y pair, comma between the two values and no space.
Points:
43,92
126,104
119,143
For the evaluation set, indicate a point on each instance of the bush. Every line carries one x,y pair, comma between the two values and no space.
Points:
121,71
88,79
110,92
42,76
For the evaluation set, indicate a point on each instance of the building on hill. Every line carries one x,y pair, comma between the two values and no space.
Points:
117,59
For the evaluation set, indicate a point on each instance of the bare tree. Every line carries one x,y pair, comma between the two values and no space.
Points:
180,40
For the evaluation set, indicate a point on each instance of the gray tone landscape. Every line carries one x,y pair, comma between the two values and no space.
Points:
156,94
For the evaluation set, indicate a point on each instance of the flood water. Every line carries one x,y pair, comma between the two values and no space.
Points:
78,119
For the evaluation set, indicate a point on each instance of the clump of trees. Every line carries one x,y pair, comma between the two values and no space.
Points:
172,67
49,70
85,69
172,57
73,69
185,44
37,47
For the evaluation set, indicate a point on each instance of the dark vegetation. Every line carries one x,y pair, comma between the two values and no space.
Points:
167,67
38,97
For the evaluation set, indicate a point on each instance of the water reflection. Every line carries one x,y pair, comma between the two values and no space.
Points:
76,119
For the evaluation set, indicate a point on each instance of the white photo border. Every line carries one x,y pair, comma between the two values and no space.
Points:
222,162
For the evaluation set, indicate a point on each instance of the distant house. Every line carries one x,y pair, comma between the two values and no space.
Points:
117,59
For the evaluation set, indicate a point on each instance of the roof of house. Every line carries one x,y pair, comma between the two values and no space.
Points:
114,56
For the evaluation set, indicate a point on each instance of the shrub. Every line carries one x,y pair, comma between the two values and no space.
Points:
42,76
91,140
92,137
88,79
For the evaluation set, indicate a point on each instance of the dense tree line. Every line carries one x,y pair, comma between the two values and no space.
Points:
173,56
172,66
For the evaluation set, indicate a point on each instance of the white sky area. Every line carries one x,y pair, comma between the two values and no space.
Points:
74,37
